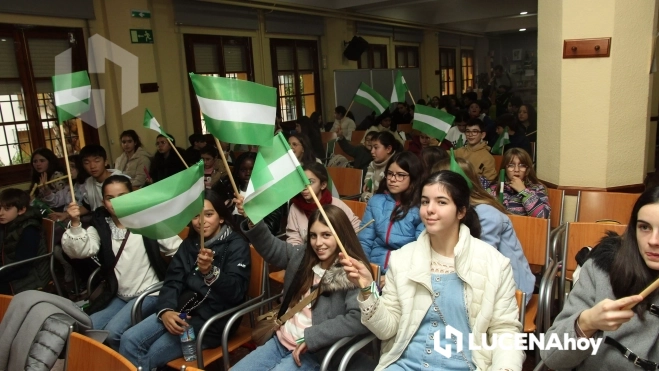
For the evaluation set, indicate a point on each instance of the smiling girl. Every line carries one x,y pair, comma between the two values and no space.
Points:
523,194
300,344
129,262
447,277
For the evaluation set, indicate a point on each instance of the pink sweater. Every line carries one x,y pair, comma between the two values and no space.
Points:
296,227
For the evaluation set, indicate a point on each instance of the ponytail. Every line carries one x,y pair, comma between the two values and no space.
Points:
471,220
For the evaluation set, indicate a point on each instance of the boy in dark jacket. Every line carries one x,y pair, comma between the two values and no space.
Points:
20,239
361,153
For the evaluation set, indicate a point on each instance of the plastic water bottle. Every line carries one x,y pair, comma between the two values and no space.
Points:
188,341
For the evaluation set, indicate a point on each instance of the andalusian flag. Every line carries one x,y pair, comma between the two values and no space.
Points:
456,168
72,92
331,187
150,122
400,88
237,111
277,177
163,209
502,141
431,121
370,98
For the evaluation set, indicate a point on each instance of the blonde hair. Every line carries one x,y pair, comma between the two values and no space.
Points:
478,195
525,159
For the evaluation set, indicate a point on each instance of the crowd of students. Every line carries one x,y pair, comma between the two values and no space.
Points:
444,245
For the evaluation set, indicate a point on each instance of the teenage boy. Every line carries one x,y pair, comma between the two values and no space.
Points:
456,134
361,152
192,154
477,151
93,158
516,136
20,239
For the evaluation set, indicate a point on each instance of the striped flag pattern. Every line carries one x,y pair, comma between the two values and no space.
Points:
277,177
400,88
502,141
431,121
237,111
370,98
150,122
163,209
72,92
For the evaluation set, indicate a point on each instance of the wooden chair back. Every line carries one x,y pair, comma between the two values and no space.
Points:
348,181
406,145
184,233
357,207
406,128
339,151
327,136
594,206
49,233
4,304
556,202
498,159
357,136
256,276
533,234
579,235
85,354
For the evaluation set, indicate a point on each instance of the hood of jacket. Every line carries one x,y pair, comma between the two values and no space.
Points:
335,279
478,147
605,252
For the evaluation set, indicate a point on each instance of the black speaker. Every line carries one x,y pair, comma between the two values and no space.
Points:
355,48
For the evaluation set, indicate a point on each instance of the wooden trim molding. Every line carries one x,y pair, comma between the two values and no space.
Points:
573,191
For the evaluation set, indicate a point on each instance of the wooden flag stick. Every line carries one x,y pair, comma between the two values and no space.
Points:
176,150
56,179
226,166
34,188
645,293
66,160
410,93
348,110
329,224
364,226
201,230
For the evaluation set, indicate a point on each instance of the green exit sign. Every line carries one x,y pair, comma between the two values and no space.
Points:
140,14
141,36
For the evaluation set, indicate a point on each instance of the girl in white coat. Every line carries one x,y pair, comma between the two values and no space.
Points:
446,279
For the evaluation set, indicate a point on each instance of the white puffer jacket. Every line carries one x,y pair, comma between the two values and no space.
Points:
407,296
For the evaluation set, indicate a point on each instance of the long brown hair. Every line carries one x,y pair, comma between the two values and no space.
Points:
525,159
478,195
345,231
629,274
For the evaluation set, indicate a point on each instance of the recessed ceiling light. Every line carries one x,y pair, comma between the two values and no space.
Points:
523,13
3,40
522,29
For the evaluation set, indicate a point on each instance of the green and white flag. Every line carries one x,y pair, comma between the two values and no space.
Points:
431,121
400,88
331,187
163,209
150,122
370,98
502,141
72,92
461,141
237,111
277,177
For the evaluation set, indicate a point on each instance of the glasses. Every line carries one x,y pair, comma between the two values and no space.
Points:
520,166
472,132
399,177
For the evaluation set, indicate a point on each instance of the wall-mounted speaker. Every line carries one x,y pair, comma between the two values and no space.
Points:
355,48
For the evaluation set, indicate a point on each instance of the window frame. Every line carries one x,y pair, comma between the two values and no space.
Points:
406,49
189,40
20,35
295,43
464,69
447,87
382,48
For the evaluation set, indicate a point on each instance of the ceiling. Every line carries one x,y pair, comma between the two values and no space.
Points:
477,16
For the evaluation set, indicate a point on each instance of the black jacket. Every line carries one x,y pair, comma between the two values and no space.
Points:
106,257
162,167
226,292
